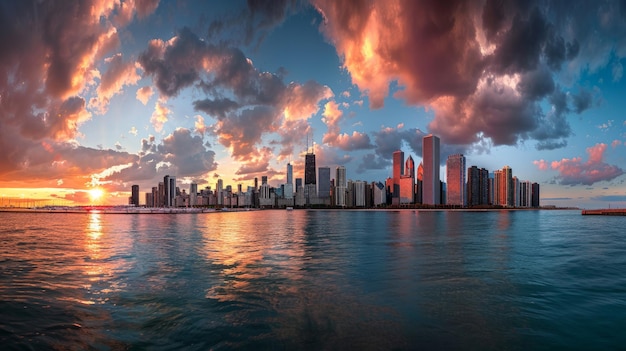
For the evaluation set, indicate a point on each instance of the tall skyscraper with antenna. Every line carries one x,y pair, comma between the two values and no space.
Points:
310,183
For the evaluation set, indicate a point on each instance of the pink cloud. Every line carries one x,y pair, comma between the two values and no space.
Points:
616,143
144,94
332,115
574,171
486,69
541,164
356,141
160,115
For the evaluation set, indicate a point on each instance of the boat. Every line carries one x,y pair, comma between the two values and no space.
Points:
289,208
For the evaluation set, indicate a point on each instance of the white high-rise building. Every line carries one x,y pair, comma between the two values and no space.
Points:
431,194
341,186
288,193
193,194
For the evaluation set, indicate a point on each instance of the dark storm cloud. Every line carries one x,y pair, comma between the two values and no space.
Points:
215,107
264,15
582,100
520,47
487,69
537,83
175,65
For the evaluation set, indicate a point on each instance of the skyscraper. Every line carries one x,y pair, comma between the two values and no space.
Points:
160,199
155,196
288,192
310,183
169,187
407,182
398,171
193,194
309,169
289,174
419,184
503,187
324,182
430,154
455,177
535,195
477,186
172,200
340,193
134,198
510,191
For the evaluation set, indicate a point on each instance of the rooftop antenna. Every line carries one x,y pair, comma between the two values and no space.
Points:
308,148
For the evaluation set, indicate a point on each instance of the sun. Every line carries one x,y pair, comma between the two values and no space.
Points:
95,194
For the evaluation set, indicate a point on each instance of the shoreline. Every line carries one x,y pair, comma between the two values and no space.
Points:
184,210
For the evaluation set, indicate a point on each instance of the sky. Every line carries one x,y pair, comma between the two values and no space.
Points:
98,95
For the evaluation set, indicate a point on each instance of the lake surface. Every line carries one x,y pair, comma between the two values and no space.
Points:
313,280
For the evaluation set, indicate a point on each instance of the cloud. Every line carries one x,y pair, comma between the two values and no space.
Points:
144,94
217,108
541,164
356,141
326,156
248,104
133,131
242,132
617,70
574,171
372,161
493,70
180,153
199,125
145,7
51,59
610,198
160,115
616,143
118,75
333,137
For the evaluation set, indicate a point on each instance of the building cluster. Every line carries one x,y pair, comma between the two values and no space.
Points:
408,186
464,187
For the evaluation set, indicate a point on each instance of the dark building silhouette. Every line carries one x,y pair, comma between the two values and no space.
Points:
535,195
309,176
477,186
134,198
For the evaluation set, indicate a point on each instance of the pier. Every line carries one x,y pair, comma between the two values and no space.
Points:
606,212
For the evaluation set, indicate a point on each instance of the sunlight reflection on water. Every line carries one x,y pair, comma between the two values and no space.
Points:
313,280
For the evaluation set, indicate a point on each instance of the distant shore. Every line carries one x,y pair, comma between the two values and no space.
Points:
188,210
119,210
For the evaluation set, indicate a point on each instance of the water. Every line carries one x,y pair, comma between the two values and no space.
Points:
313,280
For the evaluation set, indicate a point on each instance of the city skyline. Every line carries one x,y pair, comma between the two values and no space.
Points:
403,188
97,96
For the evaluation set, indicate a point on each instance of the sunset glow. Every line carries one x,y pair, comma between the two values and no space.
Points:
96,194
122,93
